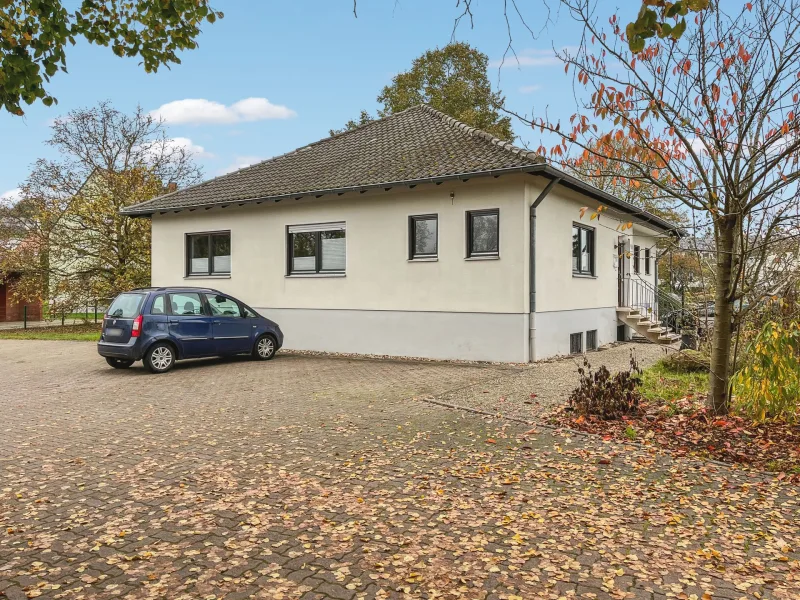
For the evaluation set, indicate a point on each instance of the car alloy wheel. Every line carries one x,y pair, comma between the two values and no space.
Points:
161,358
266,347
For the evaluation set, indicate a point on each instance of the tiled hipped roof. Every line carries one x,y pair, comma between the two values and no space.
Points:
417,144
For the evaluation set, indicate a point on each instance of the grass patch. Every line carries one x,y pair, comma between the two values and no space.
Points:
662,384
78,333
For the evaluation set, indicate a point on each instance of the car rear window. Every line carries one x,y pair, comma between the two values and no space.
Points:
126,306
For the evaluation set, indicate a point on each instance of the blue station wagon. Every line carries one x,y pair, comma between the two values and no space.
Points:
162,325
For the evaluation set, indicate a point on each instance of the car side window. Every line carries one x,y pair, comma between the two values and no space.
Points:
159,306
186,304
223,306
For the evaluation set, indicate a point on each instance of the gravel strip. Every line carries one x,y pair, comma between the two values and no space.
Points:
509,394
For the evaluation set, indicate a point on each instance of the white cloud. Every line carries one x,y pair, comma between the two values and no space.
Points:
189,146
529,89
11,196
198,111
240,162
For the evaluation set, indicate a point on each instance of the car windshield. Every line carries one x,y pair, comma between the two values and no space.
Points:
126,306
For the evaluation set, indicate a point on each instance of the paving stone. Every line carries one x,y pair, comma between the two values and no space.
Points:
208,473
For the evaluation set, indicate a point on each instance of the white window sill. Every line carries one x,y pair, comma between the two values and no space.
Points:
583,276
494,257
426,259
208,277
313,275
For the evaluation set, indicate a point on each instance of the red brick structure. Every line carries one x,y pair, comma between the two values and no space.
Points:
10,309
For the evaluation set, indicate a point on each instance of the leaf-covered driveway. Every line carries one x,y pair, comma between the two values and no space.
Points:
322,478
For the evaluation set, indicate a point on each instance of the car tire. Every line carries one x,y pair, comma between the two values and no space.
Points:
160,357
118,363
265,347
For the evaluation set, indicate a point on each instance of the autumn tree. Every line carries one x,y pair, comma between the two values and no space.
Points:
711,121
454,80
594,168
34,37
69,213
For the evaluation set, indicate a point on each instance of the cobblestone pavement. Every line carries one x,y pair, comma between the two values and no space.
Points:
311,477
536,390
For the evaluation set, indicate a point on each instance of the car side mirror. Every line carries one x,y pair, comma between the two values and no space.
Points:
220,299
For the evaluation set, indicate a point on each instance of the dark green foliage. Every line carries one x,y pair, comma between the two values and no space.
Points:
454,80
601,394
665,20
34,36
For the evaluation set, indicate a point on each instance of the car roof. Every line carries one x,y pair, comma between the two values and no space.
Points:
176,288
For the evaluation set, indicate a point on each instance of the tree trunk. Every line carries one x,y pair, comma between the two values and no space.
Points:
718,400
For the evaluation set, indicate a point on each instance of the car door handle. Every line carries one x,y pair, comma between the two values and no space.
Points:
217,322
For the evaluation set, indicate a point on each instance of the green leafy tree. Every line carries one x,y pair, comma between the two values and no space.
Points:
454,80
661,18
66,234
34,35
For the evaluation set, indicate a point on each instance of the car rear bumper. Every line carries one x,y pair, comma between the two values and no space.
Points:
128,350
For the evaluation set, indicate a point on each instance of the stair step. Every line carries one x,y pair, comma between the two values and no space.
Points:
657,330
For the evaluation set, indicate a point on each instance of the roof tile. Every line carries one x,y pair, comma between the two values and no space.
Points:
415,144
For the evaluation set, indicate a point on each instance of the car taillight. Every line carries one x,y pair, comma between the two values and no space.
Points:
136,330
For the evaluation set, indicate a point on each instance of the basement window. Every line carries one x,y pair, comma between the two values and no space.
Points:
591,340
575,343
313,249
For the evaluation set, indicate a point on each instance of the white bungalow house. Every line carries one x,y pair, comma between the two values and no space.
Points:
415,235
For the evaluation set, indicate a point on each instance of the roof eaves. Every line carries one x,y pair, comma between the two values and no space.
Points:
574,183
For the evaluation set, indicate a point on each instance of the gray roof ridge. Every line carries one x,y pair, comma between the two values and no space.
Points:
480,133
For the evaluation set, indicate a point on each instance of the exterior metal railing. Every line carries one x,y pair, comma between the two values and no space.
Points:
655,304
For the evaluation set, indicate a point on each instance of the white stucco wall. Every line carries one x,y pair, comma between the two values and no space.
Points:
379,277
385,304
566,303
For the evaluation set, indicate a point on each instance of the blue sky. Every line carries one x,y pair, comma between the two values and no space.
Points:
306,66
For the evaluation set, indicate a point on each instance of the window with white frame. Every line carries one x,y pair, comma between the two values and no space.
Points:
319,248
647,261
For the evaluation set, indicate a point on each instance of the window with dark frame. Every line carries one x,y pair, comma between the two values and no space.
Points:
483,233
591,339
315,249
636,252
647,261
423,236
575,343
582,250
208,253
